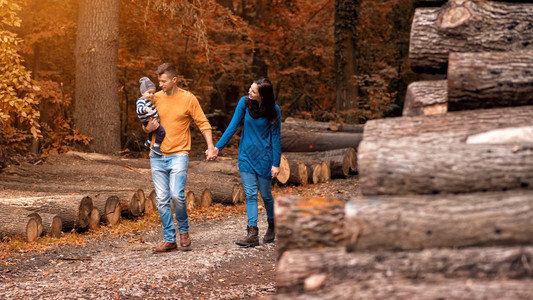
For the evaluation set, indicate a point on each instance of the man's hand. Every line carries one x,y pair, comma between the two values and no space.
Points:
274,171
211,153
151,126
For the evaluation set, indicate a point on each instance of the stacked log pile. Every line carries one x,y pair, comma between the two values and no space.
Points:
447,202
317,151
39,207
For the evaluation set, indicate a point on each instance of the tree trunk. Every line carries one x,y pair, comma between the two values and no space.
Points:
452,127
226,193
488,79
298,172
302,141
13,224
313,165
94,219
226,166
52,224
96,110
432,221
327,155
74,210
150,205
399,288
402,167
339,166
299,124
345,52
511,135
296,266
471,26
130,203
426,98
109,207
308,223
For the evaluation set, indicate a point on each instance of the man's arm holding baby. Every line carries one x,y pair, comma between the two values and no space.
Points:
152,125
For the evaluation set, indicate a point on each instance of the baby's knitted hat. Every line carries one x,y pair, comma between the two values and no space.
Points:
146,84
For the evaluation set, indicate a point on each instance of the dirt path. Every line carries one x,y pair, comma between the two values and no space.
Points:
112,267
123,267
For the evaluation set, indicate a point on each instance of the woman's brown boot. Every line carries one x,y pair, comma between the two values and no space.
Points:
270,235
251,240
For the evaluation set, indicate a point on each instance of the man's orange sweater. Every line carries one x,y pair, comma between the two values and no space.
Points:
175,114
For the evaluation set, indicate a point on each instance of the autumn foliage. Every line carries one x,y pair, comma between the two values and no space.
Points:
219,47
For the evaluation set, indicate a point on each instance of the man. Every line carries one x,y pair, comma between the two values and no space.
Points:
177,108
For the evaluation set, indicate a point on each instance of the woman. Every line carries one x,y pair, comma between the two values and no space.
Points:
259,153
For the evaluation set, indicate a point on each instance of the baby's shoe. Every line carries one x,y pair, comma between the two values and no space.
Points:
147,144
156,150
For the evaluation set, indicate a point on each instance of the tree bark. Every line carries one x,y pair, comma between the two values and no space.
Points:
327,155
226,193
150,206
308,223
391,288
467,26
345,52
226,166
109,207
130,203
432,221
74,210
301,141
313,164
94,219
402,167
453,127
299,124
13,224
298,172
488,79
52,224
296,266
426,98
96,110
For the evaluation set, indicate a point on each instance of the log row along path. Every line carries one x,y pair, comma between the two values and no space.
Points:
122,266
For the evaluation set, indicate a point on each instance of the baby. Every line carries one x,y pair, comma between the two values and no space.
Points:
147,110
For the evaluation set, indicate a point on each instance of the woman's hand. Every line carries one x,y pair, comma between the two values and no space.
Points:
275,171
211,153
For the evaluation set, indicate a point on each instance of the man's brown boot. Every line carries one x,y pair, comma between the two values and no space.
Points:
166,247
185,241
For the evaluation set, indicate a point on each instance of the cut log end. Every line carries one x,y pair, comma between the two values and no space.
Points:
112,210
32,230
284,170
84,211
94,219
190,199
56,226
238,194
206,199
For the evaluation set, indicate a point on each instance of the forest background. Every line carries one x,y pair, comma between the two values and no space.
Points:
342,60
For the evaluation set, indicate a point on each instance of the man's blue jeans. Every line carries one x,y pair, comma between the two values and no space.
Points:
169,173
251,182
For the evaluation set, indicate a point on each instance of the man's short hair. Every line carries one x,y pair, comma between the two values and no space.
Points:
167,68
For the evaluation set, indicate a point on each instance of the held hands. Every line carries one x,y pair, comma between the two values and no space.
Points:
211,153
275,171
149,110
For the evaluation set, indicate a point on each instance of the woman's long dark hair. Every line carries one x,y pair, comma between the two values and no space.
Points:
268,102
